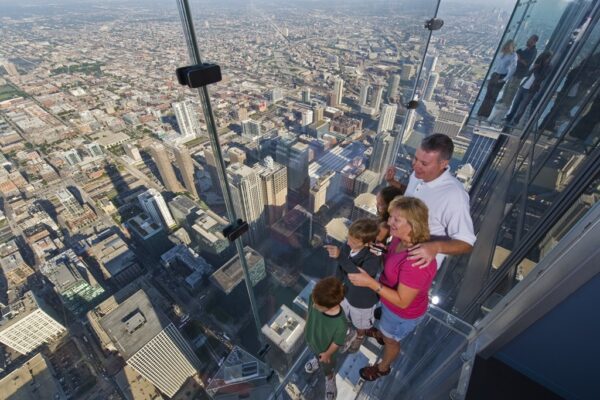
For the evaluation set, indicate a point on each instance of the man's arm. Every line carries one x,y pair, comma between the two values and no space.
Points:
423,253
390,178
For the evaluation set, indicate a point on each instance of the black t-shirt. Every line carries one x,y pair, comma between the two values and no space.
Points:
359,297
528,55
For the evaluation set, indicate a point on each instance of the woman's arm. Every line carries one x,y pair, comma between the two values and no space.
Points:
400,297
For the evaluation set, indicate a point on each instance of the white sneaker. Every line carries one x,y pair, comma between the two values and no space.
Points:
330,388
312,365
350,336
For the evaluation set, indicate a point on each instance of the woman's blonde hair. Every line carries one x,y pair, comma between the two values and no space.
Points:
416,214
508,47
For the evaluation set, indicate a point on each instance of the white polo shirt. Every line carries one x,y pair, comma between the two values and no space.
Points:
448,204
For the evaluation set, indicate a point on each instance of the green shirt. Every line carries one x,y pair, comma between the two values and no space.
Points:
322,329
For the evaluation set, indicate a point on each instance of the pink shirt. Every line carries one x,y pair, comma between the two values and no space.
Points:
398,269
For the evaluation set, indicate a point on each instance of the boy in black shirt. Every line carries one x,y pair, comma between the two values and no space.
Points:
359,303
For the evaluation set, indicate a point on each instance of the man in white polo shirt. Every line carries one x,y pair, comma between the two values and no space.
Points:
450,221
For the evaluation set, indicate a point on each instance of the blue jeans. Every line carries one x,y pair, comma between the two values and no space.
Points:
395,327
519,105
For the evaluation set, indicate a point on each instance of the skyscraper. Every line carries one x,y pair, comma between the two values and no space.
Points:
407,72
274,185
72,207
154,205
187,119
27,324
150,343
430,63
211,166
338,92
298,180
317,114
377,95
132,152
251,128
186,168
364,94
449,123
167,174
431,84
393,84
382,152
306,95
387,118
247,198
480,148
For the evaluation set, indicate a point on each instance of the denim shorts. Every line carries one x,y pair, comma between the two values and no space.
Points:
395,327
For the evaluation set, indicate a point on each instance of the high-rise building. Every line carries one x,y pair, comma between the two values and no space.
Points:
167,174
211,166
377,95
365,206
366,182
307,117
276,95
449,123
480,148
318,112
247,198
285,331
27,324
25,382
231,273
187,119
431,84
236,155
387,118
393,84
132,152
297,165
338,92
186,168
154,205
241,114
274,185
72,208
381,158
430,63
306,95
323,190
407,72
72,281
150,343
251,128
363,97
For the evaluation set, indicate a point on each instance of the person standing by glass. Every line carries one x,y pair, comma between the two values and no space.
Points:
503,71
525,58
402,287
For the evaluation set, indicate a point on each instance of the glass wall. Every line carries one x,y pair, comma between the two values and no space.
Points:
540,164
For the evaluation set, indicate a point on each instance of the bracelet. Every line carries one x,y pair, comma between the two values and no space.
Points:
379,288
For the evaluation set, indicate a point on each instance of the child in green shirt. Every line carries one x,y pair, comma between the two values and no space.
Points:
325,330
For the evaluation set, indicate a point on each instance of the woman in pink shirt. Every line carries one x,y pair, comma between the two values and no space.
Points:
403,288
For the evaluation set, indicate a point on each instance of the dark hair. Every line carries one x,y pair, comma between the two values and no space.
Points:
328,292
388,194
364,229
440,143
534,37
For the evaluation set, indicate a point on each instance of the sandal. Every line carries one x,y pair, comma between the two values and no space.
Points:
375,333
372,373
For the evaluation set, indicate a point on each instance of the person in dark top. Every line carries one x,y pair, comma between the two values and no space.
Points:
359,303
530,86
525,58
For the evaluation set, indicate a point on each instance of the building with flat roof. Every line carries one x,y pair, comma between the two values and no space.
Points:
206,232
150,343
32,380
301,301
182,207
73,282
285,330
231,274
365,206
117,262
28,323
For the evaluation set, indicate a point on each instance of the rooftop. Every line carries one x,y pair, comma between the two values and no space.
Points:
134,323
25,382
231,274
285,329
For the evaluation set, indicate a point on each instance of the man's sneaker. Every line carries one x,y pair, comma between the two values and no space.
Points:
330,388
350,337
312,365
